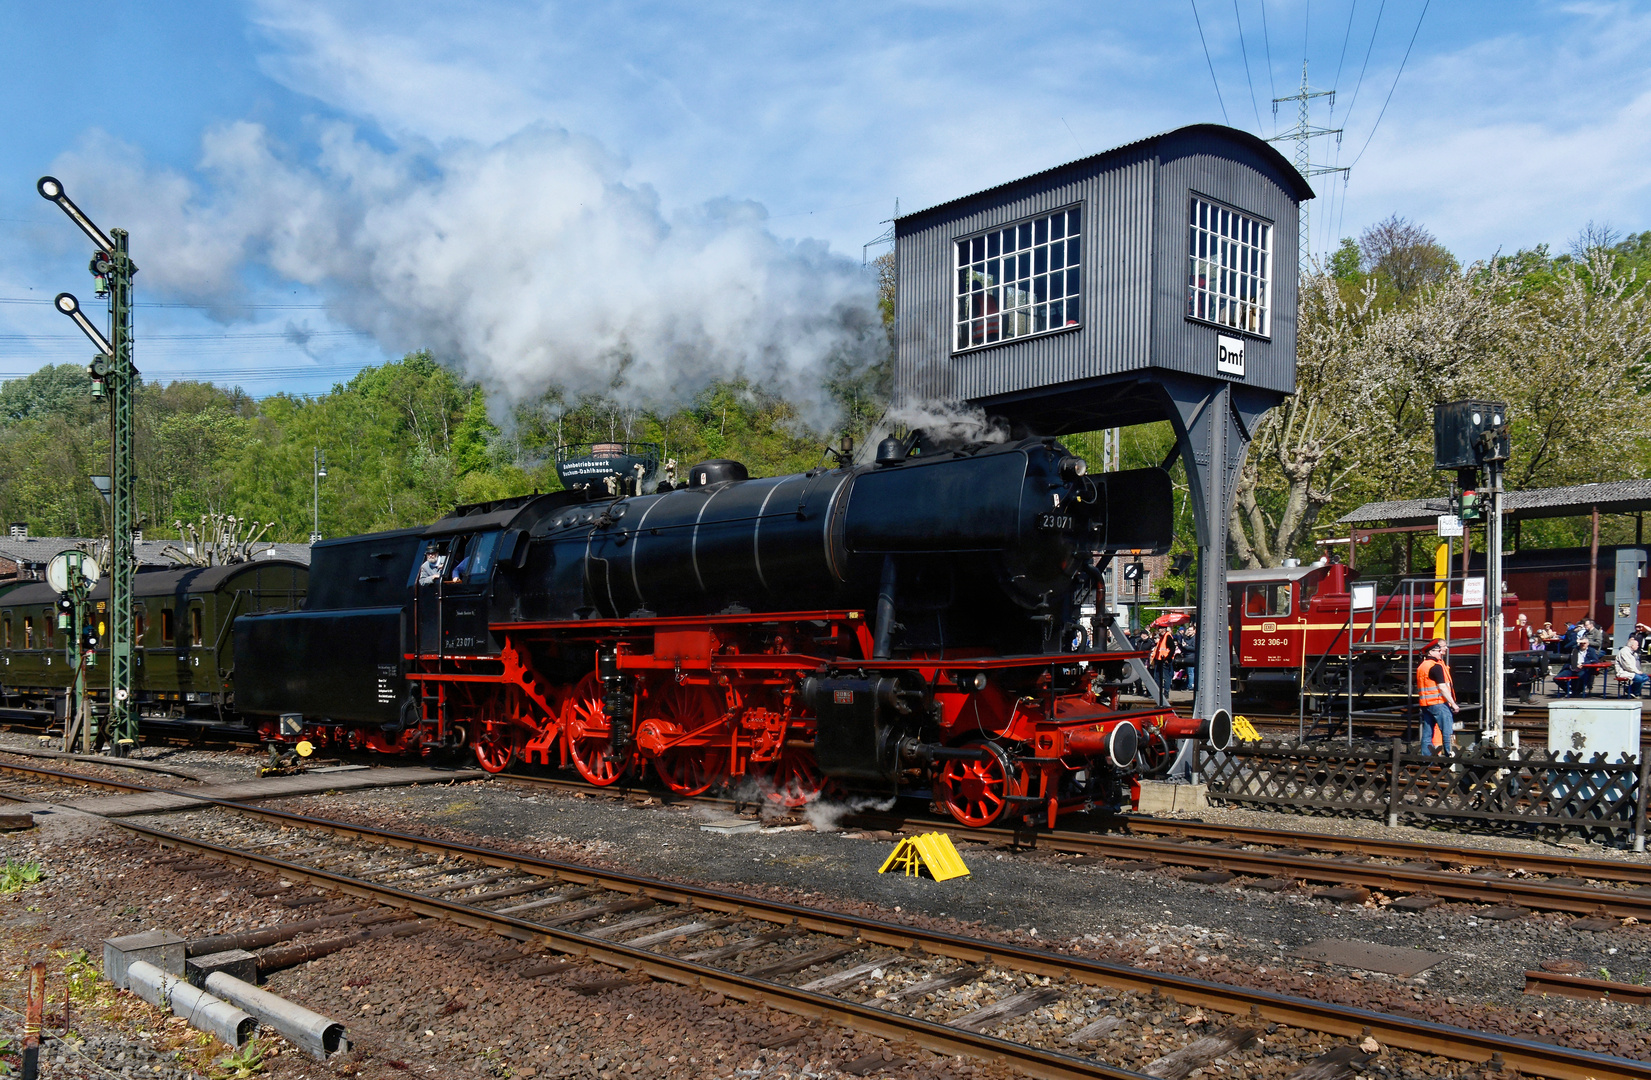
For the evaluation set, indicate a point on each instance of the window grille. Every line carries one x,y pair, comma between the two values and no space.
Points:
1231,268
1020,280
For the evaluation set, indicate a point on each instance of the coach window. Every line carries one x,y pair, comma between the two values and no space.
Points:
46,632
168,631
195,625
28,631
1267,600
8,629
140,625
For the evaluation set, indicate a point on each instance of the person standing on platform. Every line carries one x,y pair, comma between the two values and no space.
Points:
1190,645
1628,666
1437,697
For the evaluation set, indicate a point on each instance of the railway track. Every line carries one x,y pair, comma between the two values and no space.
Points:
1046,1013
1418,874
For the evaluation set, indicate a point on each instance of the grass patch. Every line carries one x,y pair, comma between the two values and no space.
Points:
16,876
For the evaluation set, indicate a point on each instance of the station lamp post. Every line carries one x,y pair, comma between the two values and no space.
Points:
114,377
319,472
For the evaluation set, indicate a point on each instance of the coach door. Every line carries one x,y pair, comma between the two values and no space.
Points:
1268,638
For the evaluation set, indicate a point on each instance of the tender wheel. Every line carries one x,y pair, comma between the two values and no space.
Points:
796,780
590,738
977,793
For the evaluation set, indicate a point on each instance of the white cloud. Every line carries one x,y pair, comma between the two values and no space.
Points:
532,262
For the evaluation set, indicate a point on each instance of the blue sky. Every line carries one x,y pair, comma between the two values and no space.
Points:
528,187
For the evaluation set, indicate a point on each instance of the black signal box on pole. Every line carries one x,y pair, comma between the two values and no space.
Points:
1469,434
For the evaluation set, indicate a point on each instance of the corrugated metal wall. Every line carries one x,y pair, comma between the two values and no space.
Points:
1181,344
1134,273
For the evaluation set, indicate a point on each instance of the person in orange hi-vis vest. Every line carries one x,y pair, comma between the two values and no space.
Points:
1437,698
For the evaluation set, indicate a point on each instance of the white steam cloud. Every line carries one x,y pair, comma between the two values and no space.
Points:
529,264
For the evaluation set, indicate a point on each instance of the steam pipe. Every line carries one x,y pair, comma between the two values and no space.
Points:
885,611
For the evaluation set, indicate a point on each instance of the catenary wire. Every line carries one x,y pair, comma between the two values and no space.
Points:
1210,62
1266,40
1245,50
1396,75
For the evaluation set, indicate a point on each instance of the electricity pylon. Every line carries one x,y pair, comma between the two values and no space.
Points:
1303,133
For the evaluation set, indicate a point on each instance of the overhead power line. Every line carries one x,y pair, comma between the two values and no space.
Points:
1395,85
1210,62
1266,39
1243,48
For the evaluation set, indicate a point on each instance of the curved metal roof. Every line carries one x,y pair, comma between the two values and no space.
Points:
188,580
1297,183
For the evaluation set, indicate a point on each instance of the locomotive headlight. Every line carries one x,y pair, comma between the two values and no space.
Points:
1072,468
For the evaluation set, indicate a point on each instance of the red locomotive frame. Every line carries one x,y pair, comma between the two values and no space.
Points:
717,702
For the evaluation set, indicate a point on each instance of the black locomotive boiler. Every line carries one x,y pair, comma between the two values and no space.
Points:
908,624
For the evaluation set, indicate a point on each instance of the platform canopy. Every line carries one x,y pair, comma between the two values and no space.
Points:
1612,497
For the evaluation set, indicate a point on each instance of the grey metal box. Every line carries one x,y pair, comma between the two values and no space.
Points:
237,962
162,948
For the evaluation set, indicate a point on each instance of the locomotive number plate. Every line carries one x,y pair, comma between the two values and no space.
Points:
842,697
1056,522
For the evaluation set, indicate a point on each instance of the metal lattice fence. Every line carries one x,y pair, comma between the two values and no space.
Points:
1482,784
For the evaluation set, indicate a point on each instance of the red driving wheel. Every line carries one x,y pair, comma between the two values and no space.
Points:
690,770
796,780
977,791
590,737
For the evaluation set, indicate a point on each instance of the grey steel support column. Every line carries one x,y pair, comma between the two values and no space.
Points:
1213,420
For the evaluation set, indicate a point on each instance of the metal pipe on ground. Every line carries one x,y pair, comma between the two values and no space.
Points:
292,955
203,1011
274,935
311,1032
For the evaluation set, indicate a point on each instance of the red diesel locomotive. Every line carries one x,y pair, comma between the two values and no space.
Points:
1294,630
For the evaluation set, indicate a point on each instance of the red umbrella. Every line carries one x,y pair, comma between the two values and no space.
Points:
1171,618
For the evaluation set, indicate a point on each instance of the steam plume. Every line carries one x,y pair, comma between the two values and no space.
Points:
530,264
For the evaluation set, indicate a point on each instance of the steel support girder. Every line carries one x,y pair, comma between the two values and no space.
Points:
123,726
1213,422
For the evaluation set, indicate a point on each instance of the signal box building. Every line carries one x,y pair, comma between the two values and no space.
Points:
1153,281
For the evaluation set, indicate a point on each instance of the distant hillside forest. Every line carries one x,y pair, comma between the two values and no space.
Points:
1390,326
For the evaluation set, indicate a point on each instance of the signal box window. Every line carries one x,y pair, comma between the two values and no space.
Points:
194,626
1231,268
28,631
1021,280
1262,600
168,631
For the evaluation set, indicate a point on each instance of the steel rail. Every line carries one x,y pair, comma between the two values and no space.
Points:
1401,1031
1530,862
1577,986
1539,895
1034,1061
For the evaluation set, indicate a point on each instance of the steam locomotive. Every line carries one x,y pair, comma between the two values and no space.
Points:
908,625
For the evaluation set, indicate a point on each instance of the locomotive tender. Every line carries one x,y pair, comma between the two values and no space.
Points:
906,625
